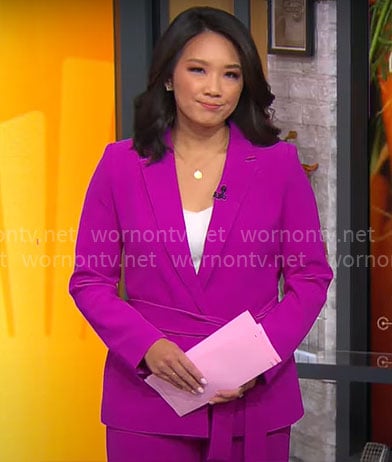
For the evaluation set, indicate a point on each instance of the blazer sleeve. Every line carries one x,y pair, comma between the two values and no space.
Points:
94,282
305,269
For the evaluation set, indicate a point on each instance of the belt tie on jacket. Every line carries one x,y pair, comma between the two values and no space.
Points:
171,320
221,434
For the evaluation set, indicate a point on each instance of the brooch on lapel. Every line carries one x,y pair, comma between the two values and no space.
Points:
221,194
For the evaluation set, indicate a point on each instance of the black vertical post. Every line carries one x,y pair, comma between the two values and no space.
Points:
160,18
133,28
352,291
352,174
242,11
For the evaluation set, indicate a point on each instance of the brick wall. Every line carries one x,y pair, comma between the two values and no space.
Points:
306,101
305,90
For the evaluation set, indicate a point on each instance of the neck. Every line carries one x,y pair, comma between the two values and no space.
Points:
194,141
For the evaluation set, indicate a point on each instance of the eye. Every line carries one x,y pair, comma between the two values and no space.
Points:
196,69
233,75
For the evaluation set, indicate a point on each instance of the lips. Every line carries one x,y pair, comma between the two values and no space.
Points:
210,106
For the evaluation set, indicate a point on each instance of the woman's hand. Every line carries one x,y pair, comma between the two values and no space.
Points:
224,396
167,361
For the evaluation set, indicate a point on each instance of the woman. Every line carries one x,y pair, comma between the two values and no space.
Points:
206,209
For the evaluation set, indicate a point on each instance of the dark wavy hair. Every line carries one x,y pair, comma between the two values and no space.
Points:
155,109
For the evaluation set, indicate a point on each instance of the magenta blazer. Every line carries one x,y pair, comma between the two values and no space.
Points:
264,224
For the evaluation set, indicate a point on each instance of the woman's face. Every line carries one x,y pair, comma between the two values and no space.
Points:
207,81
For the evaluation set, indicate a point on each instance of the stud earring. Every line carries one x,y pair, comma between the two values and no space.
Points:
169,85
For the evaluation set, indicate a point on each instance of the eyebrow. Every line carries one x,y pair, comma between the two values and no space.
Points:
205,63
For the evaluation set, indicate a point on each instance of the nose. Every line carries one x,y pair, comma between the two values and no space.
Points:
213,85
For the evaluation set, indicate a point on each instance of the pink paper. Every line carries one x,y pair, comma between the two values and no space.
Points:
234,354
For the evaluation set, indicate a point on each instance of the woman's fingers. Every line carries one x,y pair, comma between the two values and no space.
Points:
176,381
180,378
192,371
166,360
224,396
186,374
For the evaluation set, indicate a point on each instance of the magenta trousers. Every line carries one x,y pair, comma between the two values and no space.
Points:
124,446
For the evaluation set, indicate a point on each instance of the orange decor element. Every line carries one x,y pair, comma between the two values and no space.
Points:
56,116
309,169
292,135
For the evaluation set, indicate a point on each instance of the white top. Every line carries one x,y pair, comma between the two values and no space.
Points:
196,228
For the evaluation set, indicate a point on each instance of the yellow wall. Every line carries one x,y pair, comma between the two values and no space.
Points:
56,115
259,29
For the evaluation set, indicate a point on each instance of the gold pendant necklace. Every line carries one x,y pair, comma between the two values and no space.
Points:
197,174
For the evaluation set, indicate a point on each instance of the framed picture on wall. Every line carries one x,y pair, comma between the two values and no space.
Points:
291,27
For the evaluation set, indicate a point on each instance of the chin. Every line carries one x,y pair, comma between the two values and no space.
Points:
211,123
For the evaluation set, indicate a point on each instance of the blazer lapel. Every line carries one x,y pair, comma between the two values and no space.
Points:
162,187
237,176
